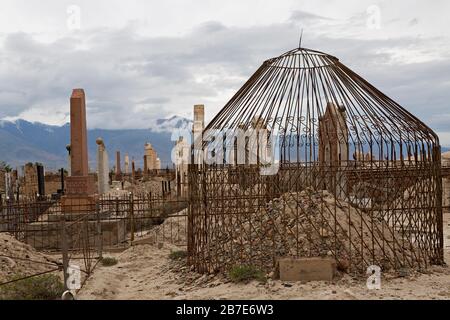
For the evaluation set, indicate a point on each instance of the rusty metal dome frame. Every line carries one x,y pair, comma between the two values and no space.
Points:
342,144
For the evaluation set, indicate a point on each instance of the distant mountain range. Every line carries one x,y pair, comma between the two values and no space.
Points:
23,141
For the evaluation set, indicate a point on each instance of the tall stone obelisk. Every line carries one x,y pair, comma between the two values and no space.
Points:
80,186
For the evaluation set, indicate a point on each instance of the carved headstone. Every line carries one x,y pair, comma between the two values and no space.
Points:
333,148
151,157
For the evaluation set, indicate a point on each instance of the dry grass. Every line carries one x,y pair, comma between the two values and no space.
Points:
246,274
43,287
108,261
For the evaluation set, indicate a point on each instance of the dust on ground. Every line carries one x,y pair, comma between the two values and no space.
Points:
18,258
146,272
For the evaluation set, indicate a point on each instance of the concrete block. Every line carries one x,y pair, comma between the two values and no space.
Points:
306,269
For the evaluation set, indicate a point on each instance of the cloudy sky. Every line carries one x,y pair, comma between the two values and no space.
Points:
141,60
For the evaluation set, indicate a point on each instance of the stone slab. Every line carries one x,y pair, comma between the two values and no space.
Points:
306,269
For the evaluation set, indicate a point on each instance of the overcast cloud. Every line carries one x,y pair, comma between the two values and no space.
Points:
143,60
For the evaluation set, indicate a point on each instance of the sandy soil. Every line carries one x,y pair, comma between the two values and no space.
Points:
146,272
20,259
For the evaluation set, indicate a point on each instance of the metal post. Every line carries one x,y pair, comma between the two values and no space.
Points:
131,218
65,254
150,204
99,232
62,180
86,246
18,191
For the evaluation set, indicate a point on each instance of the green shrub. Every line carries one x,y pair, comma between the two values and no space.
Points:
178,255
246,273
108,261
43,287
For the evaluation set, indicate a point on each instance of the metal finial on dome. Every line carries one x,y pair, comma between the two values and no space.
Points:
300,40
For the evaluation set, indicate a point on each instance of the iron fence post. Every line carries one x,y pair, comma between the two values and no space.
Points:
99,232
131,218
64,250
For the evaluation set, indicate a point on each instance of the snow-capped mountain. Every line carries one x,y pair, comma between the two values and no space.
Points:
22,141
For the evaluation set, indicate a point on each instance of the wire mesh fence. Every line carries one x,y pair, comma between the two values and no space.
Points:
80,235
118,219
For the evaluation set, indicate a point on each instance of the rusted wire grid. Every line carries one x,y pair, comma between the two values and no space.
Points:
336,132
43,231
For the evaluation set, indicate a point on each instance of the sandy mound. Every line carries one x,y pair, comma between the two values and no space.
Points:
144,187
172,230
308,224
19,258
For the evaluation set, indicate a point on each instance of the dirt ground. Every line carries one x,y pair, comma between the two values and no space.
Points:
146,272
20,259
